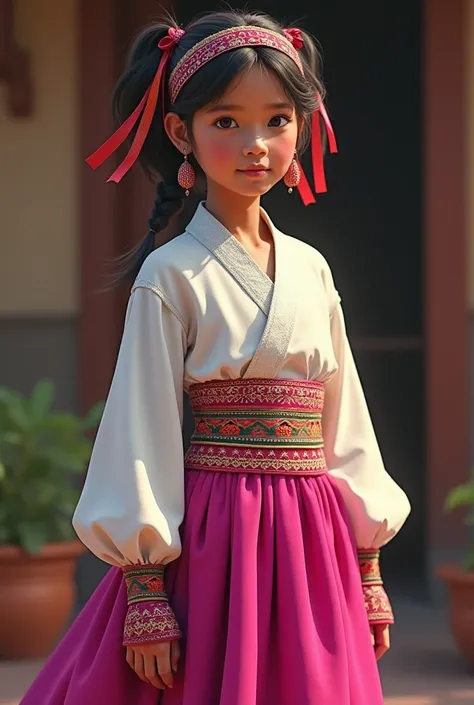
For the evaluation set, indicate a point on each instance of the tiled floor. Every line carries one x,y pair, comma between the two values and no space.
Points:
422,668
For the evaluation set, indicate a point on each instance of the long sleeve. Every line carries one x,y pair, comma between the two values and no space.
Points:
132,503
377,506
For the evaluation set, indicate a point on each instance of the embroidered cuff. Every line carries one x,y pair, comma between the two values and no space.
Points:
377,604
149,623
150,618
145,583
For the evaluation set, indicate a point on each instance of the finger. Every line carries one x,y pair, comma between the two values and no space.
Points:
372,636
151,671
164,663
382,634
130,658
380,650
139,666
382,640
175,654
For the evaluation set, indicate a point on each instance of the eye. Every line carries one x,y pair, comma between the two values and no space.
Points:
276,121
225,123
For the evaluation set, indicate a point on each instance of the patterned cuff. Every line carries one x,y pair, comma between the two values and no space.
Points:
145,583
377,604
149,617
149,623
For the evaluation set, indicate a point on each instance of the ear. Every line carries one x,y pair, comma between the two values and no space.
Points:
176,131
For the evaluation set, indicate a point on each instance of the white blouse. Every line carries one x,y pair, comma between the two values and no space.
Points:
201,309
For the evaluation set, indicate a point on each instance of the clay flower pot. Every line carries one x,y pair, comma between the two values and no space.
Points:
36,598
460,584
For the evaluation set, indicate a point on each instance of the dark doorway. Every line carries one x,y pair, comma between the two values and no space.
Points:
369,225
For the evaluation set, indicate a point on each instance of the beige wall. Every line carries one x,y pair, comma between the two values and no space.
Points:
38,170
470,171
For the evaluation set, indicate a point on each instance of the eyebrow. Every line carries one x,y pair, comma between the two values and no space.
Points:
228,107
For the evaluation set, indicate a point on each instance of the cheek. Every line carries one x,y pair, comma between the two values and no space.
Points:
214,149
284,149
219,151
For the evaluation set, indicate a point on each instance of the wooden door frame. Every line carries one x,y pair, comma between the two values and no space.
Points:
446,253
110,215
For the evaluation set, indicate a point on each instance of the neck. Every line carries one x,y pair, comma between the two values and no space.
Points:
240,215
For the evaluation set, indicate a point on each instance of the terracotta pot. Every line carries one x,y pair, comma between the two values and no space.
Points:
36,598
460,583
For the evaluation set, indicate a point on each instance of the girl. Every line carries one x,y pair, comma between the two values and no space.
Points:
246,570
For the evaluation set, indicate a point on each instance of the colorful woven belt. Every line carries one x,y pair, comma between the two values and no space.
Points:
257,425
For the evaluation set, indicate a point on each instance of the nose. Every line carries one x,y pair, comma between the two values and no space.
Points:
255,146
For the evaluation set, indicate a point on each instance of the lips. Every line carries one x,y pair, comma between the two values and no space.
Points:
255,168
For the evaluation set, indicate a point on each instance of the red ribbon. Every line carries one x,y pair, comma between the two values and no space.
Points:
317,157
304,189
146,109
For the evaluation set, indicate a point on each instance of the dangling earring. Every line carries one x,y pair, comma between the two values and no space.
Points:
186,174
293,175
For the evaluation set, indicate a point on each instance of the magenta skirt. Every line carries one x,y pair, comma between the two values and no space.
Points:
267,592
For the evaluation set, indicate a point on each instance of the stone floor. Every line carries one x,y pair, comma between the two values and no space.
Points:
422,668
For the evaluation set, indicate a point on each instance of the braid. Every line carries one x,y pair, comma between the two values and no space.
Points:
168,202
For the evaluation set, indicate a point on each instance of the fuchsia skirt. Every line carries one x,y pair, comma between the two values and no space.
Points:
267,590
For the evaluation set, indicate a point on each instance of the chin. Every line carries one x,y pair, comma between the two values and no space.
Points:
254,191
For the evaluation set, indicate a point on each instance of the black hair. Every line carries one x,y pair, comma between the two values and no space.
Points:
159,157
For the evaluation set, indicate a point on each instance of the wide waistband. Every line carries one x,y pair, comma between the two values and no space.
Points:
293,394
257,425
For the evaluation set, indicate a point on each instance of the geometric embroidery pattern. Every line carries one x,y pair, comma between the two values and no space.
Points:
257,425
150,623
144,582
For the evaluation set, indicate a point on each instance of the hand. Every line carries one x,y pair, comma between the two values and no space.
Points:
380,639
155,663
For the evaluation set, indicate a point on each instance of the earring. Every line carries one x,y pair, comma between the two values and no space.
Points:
293,175
186,174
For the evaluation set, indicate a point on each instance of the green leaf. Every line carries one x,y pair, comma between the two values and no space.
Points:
32,536
15,408
41,399
470,560
65,460
11,438
41,451
60,422
63,528
461,496
3,471
94,416
5,535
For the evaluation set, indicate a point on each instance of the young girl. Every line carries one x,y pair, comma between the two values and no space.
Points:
246,571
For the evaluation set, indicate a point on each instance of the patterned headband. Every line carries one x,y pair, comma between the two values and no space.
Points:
221,42
200,54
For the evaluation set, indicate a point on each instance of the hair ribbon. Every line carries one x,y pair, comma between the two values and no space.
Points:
295,36
145,109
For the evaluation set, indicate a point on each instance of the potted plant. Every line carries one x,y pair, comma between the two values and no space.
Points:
41,452
460,578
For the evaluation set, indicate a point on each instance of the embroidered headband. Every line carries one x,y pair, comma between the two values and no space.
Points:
200,54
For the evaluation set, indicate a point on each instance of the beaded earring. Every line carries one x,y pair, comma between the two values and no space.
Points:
186,174
293,175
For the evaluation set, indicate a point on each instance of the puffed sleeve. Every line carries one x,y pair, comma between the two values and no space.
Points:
132,503
377,506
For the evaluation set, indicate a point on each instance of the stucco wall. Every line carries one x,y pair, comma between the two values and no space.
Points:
38,170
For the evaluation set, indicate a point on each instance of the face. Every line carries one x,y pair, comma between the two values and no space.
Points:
246,142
